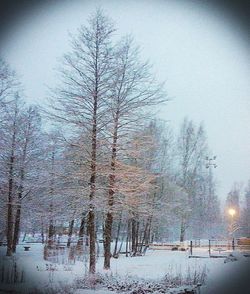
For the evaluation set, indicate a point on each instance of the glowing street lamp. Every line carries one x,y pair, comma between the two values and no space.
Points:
231,212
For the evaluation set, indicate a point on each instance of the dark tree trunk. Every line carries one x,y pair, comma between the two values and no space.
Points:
51,230
71,225
20,191
107,240
92,182
128,238
117,235
9,229
109,216
18,212
92,245
144,238
147,238
17,228
134,235
50,233
81,232
183,229
10,208
137,236
10,223
91,215
42,231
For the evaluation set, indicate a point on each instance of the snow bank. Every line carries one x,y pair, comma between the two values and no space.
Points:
156,265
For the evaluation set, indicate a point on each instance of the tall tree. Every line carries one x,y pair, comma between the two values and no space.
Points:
79,100
133,89
9,148
29,155
191,148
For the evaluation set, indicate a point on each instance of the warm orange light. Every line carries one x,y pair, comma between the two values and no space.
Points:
231,211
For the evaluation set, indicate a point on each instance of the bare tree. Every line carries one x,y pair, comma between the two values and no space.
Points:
20,148
79,101
191,153
133,89
9,143
29,154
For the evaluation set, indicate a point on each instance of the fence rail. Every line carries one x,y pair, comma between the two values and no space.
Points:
218,247
242,244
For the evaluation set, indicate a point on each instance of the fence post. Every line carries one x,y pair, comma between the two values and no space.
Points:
233,245
209,247
191,247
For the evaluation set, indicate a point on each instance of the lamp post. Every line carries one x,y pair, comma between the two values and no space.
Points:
210,163
231,212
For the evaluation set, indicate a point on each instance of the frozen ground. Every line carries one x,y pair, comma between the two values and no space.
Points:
153,266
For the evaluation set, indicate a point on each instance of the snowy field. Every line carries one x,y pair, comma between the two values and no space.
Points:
155,265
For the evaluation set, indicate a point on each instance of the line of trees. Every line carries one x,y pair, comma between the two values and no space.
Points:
107,166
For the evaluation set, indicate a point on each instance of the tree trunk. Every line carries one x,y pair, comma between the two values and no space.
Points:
18,212
50,233
92,245
92,182
128,238
117,235
17,228
81,232
183,229
147,239
134,237
109,217
10,223
42,231
137,236
9,208
9,229
144,238
71,225
91,215
107,240
51,226
20,193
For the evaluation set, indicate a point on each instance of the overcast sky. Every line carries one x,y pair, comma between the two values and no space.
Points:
200,52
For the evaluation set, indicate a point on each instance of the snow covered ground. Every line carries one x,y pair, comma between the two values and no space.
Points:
153,266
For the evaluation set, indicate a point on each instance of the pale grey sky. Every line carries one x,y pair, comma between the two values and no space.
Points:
201,54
